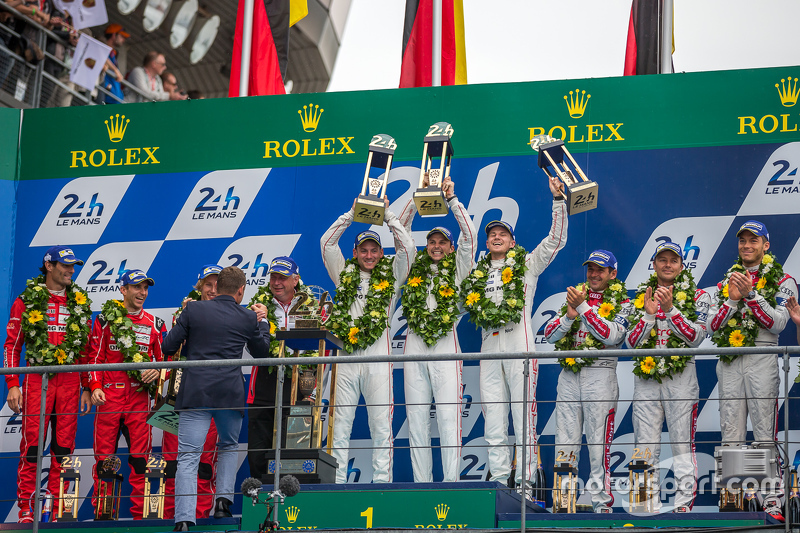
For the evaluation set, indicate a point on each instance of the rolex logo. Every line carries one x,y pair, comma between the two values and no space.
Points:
309,116
441,511
788,92
291,514
576,103
116,126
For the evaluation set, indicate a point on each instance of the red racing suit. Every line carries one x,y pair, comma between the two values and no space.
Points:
126,408
586,400
63,398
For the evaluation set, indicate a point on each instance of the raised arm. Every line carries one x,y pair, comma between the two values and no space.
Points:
331,252
404,249
546,251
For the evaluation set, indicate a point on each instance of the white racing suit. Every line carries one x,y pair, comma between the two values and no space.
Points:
425,380
586,400
502,379
676,398
373,380
751,383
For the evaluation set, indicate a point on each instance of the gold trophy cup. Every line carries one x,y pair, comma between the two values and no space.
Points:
430,200
370,207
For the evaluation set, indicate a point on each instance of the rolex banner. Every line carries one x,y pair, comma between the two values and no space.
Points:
173,186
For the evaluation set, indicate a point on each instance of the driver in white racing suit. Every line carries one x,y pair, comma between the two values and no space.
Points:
440,379
373,380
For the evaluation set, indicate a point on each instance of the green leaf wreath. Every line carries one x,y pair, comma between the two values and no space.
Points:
483,312
431,325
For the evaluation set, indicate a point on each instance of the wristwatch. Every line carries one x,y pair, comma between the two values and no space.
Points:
751,295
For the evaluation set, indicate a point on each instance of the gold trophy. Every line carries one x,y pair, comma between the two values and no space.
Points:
565,480
370,206
68,500
641,490
430,200
580,194
302,456
154,501
109,489
164,416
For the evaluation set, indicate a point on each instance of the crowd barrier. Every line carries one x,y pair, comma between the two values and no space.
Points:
784,353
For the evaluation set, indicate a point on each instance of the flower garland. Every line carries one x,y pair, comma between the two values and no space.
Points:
658,368
742,329
612,300
431,325
361,332
121,328
483,312
264,296
39,351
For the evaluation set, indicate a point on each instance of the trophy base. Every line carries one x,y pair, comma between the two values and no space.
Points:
164,416
430,202
306,323
581,197
369,209
308,466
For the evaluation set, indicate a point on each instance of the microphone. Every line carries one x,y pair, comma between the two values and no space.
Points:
289,486
251,487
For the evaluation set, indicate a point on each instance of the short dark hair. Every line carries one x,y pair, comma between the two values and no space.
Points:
230,280
43,268
151,56
166,74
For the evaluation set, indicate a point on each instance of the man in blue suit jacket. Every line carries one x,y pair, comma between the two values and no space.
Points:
213,330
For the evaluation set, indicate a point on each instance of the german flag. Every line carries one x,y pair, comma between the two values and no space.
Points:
269,54
645,38
415,70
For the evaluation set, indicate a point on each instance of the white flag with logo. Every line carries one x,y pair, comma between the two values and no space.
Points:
84,13
87,65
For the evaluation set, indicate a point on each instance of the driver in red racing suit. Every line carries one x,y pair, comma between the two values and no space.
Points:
122,403
63,391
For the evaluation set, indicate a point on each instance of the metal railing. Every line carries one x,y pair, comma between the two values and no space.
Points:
782,351
46,83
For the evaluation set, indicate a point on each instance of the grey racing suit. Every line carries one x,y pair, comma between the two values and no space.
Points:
751,383
425,380
502,380
586,400
676,398
373,380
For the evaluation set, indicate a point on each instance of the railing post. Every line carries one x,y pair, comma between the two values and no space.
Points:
278,438
525,374
786,479
37,506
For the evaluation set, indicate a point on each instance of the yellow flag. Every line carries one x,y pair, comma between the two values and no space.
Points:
298,9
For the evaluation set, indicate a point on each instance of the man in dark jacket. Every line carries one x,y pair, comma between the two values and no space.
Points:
217,329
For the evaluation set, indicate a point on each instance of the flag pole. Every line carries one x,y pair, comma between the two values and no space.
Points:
436,47
247,45
666,37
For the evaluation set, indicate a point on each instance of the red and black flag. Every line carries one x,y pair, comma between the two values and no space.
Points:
415,70
646,37
269,54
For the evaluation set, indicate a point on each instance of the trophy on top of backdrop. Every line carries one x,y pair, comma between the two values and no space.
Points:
579,192
430,200
370,206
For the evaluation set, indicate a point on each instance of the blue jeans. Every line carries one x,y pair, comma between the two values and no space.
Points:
192,431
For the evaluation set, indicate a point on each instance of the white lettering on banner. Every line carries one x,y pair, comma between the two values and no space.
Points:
254,254
218,204
102,271
81,211
699,238
546,311
776,191
481,202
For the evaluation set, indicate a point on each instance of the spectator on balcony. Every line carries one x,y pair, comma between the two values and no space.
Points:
171,86
147,79
115,36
